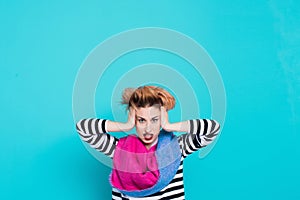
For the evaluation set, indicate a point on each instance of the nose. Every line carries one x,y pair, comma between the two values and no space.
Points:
148,127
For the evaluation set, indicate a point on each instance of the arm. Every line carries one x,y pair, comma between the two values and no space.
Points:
172,127
202,132
119,126
94,132
199,132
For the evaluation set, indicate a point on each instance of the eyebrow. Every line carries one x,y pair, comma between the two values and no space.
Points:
144,118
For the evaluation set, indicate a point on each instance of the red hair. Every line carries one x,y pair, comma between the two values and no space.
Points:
145,96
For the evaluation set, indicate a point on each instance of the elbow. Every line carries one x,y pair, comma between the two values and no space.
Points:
79,125
213,134
216,128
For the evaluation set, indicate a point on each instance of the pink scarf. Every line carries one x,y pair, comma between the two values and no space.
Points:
134,166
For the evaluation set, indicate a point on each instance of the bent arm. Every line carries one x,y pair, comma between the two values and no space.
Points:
94,132
183,126
113,126
201,133
119,126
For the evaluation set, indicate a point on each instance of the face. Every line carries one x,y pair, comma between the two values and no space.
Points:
148,124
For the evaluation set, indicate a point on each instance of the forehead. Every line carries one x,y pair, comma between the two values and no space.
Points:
148,112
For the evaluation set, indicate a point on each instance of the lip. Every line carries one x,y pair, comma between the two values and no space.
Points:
145,136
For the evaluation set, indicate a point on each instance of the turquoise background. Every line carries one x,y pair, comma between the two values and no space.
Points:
255,44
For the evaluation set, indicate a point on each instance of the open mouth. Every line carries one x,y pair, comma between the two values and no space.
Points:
148,136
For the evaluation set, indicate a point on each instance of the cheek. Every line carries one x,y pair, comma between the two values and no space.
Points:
139,129
139,126
158,124
157,127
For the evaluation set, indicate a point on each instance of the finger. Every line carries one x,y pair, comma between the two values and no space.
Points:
164,116
131,110
132,113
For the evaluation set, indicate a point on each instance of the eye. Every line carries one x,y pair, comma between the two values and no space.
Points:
155,120
141,120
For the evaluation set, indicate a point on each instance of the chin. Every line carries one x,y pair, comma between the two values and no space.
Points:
147,141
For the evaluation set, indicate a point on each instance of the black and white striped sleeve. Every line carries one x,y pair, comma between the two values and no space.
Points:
93,131
202,132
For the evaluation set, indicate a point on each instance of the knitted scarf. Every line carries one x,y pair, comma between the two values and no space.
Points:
139,172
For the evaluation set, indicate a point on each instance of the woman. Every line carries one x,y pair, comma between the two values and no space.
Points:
148,165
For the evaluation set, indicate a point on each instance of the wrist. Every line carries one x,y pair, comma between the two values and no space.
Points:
177,127
167,127
128,126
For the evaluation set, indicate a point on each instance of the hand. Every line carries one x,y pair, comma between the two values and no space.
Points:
120,126
164,118
183,126
131,119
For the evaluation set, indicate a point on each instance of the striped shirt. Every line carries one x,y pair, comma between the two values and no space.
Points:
202,132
